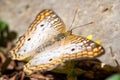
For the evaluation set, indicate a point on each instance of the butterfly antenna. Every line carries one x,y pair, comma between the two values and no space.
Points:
70,28
82,25
73,19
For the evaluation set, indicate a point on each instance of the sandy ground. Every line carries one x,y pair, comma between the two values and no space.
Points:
105,14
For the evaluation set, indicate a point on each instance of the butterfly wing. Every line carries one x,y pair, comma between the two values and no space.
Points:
70,47
45,27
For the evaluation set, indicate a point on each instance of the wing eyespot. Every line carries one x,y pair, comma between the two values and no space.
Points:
50,59
41,25
73,49
28,39
24,50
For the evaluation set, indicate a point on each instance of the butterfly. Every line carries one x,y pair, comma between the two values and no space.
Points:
47,44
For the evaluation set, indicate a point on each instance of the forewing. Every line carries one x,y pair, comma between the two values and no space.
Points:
44,28
70,47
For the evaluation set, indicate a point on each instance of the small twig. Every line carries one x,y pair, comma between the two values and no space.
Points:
118,65
5,65
9,46
8,60
22,75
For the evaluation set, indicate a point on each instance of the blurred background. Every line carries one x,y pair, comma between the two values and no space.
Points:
105,15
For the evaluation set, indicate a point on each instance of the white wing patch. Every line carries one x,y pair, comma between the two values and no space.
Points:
39,37
45,27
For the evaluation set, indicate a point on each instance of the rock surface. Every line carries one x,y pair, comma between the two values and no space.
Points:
105,15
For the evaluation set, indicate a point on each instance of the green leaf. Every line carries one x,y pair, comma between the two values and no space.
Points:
114,77
3,26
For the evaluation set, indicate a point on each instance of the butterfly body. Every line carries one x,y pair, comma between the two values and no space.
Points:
49,45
